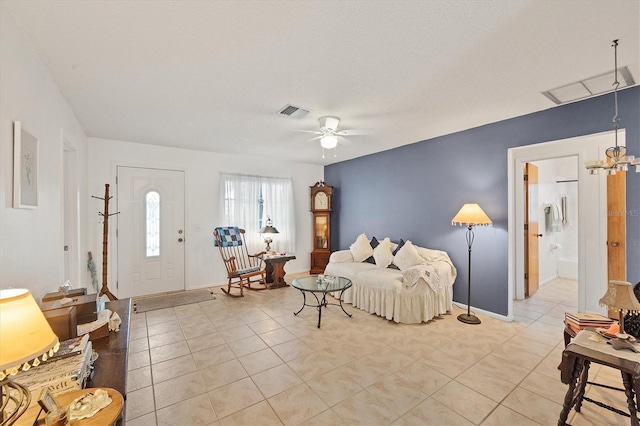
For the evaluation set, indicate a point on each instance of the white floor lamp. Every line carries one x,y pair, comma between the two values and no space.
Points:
470,215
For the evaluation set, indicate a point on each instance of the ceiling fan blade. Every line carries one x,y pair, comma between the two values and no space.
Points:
343,140
354,132
315,132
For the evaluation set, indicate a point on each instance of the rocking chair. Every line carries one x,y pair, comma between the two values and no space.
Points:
243,269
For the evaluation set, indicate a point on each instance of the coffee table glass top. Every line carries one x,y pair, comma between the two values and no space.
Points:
329,284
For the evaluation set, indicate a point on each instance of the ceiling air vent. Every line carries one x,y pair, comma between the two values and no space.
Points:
293,111
589,87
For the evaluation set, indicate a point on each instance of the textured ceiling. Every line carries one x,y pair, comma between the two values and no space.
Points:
211,75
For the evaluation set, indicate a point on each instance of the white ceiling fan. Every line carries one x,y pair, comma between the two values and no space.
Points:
329,134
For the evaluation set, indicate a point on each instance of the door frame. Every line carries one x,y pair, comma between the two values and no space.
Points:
592,205
113,253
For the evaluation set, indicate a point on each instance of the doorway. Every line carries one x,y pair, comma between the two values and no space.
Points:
553,242
70,217
592,220
150,231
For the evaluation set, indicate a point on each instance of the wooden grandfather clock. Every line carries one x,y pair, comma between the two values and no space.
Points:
321,209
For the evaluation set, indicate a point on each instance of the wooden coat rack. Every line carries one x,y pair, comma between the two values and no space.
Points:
105,241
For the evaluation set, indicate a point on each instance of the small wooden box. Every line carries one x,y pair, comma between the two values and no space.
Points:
99,333
63,322
57,295
85,307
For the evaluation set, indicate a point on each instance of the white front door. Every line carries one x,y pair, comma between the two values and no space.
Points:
150,231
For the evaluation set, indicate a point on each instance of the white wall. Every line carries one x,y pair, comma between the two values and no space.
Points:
202,174
31,241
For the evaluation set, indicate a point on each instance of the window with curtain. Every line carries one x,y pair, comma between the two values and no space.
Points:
248,200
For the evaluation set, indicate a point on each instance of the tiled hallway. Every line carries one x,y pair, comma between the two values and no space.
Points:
251,361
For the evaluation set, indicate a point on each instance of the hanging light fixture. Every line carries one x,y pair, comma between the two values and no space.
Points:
329,141
617,159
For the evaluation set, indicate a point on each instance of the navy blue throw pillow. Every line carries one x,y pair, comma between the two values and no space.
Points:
374,243
399,247
392,265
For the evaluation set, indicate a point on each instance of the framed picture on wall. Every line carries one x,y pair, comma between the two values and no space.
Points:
25,168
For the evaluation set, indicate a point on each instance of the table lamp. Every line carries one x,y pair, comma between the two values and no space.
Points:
620,297
26,339
470,215
269,230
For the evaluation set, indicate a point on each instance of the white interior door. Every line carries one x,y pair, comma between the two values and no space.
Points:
150,232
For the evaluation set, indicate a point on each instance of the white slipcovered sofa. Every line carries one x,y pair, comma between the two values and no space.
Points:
418,291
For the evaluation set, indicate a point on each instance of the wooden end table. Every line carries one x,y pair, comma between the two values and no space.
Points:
275,269
577,357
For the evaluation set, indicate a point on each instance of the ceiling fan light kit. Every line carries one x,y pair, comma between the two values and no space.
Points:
329,142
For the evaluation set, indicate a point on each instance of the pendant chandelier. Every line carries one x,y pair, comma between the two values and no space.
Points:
617,159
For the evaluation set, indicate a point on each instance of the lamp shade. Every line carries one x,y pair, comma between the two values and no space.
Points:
25,333
620,297
268,228
471,214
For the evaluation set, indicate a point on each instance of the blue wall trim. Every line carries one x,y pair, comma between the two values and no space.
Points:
413,191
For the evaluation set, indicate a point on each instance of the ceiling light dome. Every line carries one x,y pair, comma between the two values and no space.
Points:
329,142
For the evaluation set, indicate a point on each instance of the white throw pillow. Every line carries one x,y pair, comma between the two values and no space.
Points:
407,257
383,254
361,248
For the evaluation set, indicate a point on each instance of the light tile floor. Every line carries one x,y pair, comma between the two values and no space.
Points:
250,361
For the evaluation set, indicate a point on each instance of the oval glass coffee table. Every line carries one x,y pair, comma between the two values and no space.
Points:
312,285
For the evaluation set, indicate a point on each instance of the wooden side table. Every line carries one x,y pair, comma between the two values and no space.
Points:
107,416
275,270
576,359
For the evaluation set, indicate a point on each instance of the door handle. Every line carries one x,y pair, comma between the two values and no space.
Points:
615,244
537,235
180,240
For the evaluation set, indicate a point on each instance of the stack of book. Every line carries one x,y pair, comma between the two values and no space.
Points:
581,320
67,370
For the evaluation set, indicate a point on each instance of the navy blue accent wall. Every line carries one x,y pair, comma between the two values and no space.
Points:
413,192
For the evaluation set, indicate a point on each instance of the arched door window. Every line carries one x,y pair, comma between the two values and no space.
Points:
152,211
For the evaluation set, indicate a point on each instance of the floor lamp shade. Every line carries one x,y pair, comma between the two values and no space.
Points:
470,215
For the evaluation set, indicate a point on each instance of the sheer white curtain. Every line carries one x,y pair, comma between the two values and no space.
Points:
248,200
278,204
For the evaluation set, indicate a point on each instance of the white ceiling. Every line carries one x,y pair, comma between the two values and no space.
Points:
211,75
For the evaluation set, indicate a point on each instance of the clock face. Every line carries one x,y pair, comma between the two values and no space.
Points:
321,201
